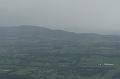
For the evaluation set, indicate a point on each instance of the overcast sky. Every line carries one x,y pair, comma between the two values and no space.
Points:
101,16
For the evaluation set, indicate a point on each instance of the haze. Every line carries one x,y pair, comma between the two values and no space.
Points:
91,16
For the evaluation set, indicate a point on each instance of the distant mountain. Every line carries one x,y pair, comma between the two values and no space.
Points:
36,32
34,38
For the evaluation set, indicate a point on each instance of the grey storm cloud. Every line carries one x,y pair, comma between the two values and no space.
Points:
99,16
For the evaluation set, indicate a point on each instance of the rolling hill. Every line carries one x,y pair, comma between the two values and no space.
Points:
33,52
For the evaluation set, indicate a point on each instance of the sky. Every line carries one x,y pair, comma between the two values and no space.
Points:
88,16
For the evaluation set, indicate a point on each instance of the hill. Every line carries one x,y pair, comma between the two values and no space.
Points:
33,52
35,36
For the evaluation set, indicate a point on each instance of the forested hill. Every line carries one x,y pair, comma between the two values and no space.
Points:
36,37
36,32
